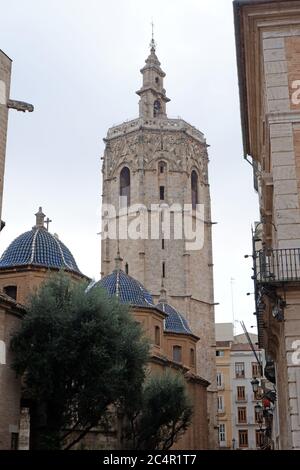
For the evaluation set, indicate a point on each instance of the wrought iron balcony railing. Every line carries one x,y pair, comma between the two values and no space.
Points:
282,265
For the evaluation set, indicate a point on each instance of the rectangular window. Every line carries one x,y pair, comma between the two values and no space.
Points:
163,269
222,433
240,393
14,443
243,438
242,414
259,437
219,379
255,370
162,193
220,403
240,370
219,353
163,243
177,354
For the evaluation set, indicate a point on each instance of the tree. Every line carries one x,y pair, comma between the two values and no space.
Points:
80,353
162,414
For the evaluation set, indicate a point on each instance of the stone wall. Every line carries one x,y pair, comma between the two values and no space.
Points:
5,74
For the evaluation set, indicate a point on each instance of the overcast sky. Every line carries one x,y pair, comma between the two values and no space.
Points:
78,62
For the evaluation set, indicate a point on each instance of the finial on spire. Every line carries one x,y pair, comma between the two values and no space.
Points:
163,293
152,43
118,259
40,219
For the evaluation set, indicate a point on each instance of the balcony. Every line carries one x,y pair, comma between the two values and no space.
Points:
277,266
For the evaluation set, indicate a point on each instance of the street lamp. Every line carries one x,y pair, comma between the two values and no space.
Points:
255,385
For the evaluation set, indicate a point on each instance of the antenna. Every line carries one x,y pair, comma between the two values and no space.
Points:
232,303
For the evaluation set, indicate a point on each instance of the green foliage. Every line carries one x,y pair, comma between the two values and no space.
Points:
162,414
81,352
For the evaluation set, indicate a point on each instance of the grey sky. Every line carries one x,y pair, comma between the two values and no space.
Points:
78,62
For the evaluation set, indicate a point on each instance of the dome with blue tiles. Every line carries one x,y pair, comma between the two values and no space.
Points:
127,289
175,321
38,247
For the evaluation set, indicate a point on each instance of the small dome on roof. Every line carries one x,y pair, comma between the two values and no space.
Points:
126,288
38,247
175,321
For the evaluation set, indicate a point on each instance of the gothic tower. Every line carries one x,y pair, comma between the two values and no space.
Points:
158,160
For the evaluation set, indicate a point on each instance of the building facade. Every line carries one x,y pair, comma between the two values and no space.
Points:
240,425
224,386
268,58
246,433
5,76
155,160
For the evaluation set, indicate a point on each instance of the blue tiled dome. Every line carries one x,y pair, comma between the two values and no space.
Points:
175,322
126,288
38,247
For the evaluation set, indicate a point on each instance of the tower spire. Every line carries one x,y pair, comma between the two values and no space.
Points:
152,94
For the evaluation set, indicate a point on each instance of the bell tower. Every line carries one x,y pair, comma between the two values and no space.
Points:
152,94
154,161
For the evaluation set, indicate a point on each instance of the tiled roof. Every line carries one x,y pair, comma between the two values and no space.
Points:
126,288
38,247
175,322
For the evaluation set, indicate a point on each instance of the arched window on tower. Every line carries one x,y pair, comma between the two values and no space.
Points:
126,268
125,186
194,187
162,168
156,108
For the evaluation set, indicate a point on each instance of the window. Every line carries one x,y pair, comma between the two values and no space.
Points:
219,353
126,268
242,414
192,357
157,80
11,291
163,243
240,370
259,438
125,186
222,433
2,352
162,167
243,438
162,193
157,335
194,187
177,353
256,370
156,108
220,403
163,269
14,441
219,379
241,393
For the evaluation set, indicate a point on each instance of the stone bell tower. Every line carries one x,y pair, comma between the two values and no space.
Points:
157,160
